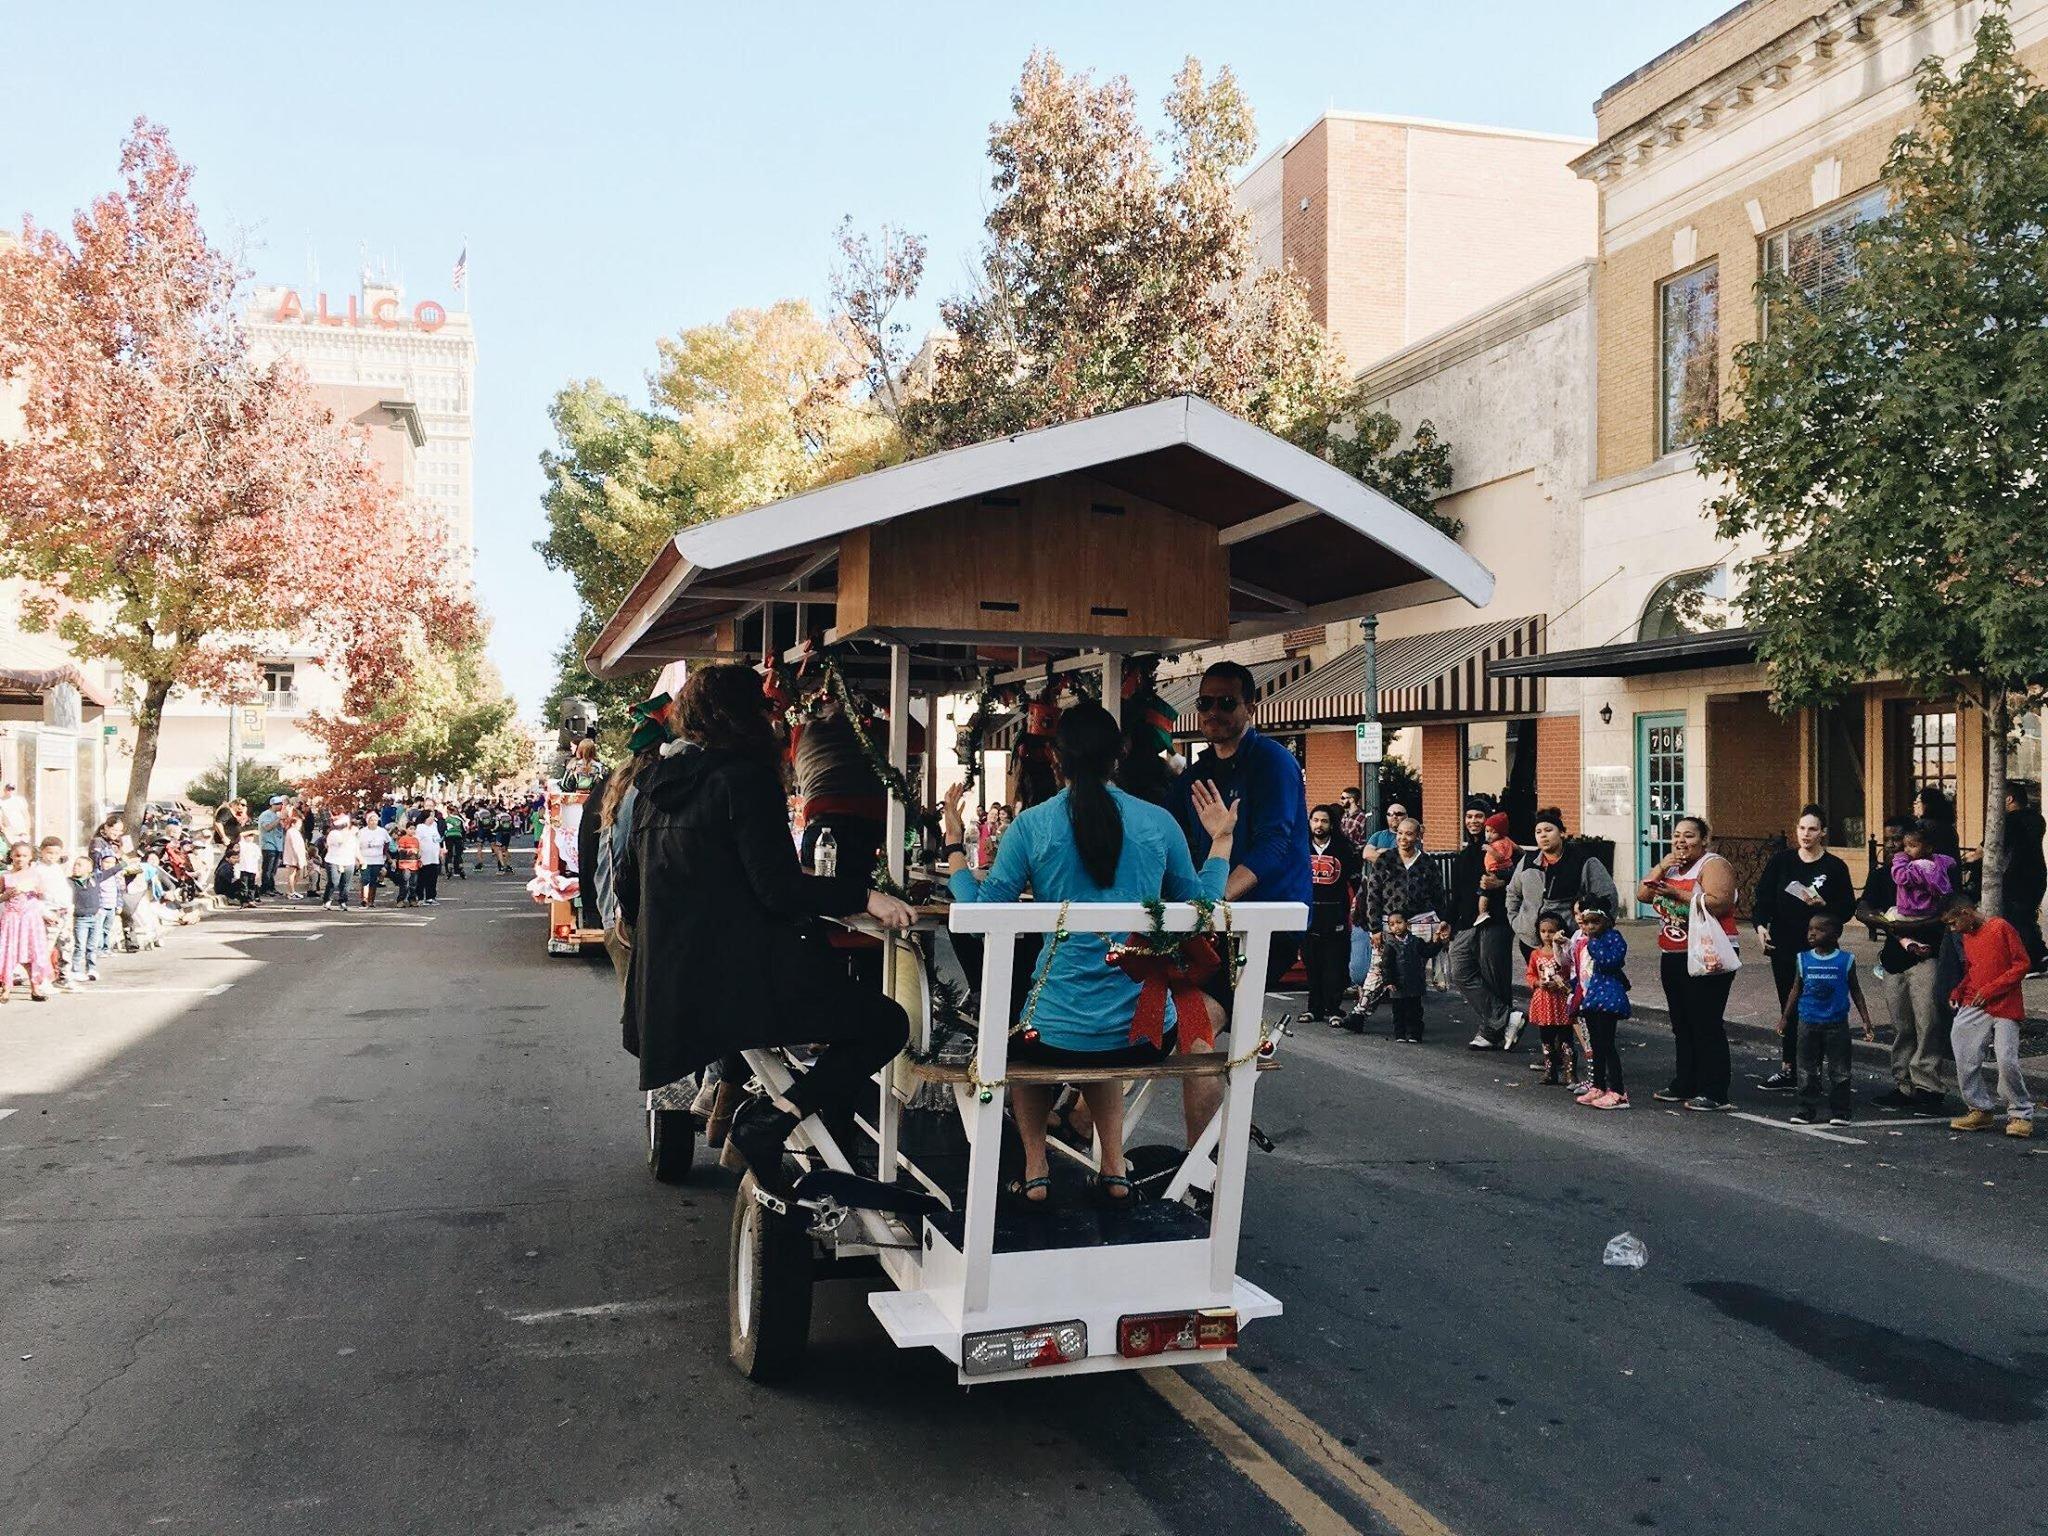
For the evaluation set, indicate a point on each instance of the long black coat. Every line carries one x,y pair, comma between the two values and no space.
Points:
721,913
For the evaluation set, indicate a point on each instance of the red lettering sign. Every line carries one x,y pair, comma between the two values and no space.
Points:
429,315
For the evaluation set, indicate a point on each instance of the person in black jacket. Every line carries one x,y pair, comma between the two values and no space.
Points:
1797,883
2026,874
726,956
1482,954
1326,946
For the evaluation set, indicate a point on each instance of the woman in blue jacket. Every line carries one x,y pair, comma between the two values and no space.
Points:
1090,842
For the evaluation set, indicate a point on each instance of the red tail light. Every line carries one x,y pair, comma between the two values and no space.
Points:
1158,1333
563,930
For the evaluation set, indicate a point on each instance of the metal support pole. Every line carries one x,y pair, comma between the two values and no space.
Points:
1369,790
897,819
234,744
1113,685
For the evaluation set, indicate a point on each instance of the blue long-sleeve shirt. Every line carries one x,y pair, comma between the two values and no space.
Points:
1086,1004
1264,782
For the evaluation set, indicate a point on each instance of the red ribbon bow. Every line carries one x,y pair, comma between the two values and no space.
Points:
1177,976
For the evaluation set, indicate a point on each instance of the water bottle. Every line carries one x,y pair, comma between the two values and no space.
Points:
825,856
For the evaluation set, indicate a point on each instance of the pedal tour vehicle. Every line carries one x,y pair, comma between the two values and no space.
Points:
1058,553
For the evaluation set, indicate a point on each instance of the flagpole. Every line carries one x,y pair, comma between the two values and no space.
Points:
465,274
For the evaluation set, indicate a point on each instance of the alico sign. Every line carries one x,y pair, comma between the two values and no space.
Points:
382,314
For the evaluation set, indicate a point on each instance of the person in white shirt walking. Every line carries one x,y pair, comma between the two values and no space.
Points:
373,845
428,831
344,857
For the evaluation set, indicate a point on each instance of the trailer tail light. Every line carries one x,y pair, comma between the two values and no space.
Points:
563,930
1023,1349
1159,1333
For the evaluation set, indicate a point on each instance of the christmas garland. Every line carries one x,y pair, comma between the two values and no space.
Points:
975,731
860,714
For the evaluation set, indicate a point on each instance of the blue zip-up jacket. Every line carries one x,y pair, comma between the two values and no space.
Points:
1264,781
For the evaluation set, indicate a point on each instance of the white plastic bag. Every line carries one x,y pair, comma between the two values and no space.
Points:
1709,951
1625,1251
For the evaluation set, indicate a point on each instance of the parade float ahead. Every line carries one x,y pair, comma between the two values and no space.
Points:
560,841
1156,530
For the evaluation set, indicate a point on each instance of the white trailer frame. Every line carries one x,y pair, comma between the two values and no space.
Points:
944,1295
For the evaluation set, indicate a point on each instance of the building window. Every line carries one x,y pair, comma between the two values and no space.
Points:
1689,345
1690,603
1819,253
1500,762
1931,751
280,686
1838,740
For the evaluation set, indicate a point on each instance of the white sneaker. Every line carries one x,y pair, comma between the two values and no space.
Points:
1479,1042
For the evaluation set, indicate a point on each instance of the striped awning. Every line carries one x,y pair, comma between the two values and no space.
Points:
1437,676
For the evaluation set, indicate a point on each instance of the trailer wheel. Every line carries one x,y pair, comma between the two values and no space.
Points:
671,1144
768,1290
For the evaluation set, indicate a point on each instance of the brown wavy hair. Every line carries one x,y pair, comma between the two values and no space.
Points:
723,709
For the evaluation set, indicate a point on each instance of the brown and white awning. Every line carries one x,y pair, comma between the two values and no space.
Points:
1437,676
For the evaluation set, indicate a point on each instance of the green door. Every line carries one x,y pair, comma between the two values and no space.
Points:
1660,787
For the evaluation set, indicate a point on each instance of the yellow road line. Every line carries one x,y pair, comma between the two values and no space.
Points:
1402,1513
1300,1502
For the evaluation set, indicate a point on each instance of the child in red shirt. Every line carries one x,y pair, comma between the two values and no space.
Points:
408,847
1989,1008
1550,999
1501,853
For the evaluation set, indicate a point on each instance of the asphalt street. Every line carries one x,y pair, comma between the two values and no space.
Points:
340,1223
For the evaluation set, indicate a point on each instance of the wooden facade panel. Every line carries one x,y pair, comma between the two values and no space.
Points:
1066,556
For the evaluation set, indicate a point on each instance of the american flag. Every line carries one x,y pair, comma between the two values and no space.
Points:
462,269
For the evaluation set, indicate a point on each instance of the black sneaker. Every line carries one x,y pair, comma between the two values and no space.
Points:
1840,1120
760,1134
1668,1096
1928,1098
1779,1082
1898,1098
1804,1117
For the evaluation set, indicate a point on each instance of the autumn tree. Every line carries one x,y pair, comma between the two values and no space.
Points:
756,407
1111,277
165,480
1890,445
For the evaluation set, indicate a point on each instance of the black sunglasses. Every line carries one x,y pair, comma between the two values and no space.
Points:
1222,703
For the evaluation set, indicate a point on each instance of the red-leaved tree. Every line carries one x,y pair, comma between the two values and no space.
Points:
167,485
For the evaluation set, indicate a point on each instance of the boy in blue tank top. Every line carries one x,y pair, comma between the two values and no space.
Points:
1819,1000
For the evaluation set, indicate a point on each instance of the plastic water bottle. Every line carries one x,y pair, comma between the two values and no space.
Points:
825,856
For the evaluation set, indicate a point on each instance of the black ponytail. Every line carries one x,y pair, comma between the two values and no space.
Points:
1087,745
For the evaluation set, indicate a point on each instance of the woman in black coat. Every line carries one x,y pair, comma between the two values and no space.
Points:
1781,917
726,953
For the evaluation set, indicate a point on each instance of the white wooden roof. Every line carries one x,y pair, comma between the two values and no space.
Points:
1308,543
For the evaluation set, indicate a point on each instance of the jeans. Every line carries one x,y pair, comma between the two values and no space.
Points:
337,885
85,943
1913,996
272,857
861,1031
1698,1007
373,876
1361,956
1481,971
1974,1031
1825,1043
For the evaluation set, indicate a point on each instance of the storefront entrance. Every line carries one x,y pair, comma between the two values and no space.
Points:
1660,786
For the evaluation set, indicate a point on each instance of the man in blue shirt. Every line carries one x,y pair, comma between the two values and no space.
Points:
1261,778
270,834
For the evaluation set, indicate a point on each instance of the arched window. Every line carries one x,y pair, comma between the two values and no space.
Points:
1690,603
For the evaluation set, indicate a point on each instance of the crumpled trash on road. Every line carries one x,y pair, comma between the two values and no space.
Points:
1625,1251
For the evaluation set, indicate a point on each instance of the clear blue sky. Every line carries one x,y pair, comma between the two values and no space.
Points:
624,170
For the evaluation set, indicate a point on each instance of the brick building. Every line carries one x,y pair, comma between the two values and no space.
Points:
1401,227
1754,144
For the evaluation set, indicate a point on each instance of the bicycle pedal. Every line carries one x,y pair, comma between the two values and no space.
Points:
769,1202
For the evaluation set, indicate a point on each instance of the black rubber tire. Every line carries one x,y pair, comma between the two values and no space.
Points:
768,1328
671,1144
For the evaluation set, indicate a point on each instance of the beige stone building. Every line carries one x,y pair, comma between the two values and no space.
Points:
1755,143
1402,226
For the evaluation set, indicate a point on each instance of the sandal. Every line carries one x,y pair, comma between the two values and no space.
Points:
1106,1182
1017,1194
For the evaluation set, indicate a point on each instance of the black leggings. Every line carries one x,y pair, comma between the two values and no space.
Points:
1698,1005
1784,974
1606,1056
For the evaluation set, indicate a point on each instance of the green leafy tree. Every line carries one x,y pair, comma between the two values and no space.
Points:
1112,277
254,782
1890,445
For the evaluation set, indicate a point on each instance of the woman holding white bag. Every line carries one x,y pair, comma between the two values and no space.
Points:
1693,891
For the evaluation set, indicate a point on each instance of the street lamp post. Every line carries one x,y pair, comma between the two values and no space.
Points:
1369,789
